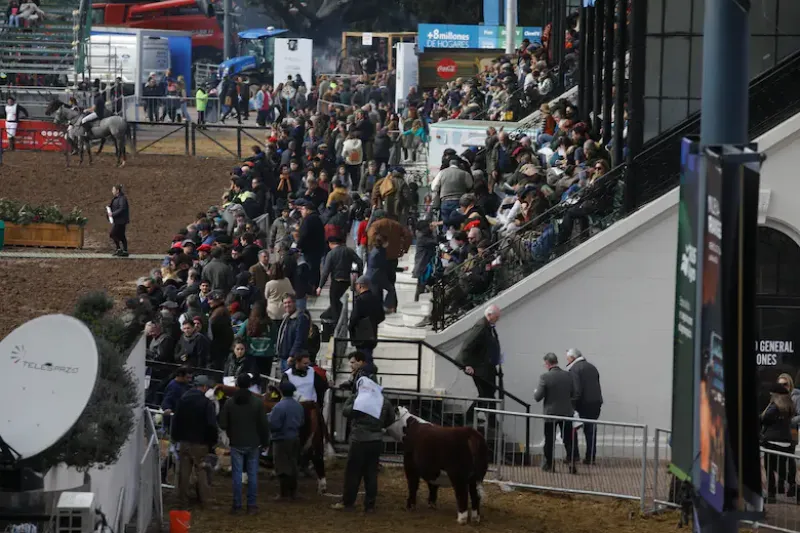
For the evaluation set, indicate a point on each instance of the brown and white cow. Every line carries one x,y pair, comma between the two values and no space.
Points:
313,434
430,451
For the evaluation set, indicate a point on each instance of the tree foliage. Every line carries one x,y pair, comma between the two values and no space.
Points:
103,428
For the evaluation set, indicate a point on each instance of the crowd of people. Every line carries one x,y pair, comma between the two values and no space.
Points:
502,191
24,14
325,203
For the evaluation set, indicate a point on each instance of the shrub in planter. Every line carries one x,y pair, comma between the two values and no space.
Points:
21,213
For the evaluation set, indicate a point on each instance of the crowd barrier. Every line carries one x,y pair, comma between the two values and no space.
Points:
151,505
780,514
619,468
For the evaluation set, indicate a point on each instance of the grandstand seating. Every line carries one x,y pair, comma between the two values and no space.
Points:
48,49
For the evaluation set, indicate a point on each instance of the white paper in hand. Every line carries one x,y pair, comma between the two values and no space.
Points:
229,381
108,212
369,398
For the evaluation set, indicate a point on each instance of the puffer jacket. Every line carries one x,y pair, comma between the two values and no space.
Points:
775,425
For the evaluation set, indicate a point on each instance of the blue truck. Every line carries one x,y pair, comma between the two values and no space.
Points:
256,56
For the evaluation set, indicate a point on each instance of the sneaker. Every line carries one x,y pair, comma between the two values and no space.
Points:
123,253
115,253
339,506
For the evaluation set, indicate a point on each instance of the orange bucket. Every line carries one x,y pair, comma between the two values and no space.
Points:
179,521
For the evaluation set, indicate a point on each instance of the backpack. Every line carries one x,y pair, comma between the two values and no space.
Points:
314,339
393,201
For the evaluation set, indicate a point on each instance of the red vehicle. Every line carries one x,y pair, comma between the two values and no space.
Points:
196,16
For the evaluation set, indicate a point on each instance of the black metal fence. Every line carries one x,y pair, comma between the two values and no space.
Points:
190,138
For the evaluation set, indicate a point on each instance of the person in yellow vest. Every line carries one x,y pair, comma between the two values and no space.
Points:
201,99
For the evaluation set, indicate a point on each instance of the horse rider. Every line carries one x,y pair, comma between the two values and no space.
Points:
12,113
95,113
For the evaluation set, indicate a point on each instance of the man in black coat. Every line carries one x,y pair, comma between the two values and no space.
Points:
120,216
557,389
219,273
219,324
194,428
365,318
340,262
311,239
588,399
480,357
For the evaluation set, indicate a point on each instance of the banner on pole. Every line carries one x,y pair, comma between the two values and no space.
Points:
713,426
686,312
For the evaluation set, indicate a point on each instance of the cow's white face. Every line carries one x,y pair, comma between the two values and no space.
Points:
398,430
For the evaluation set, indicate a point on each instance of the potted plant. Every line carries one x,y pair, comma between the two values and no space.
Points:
31,225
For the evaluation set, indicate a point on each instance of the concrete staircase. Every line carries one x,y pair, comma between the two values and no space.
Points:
45,49
398,327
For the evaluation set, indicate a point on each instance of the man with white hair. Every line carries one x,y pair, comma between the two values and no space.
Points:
481,357
588,399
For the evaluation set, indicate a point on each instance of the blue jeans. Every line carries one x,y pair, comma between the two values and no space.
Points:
244,458
185,112
301,303
447,208
284,365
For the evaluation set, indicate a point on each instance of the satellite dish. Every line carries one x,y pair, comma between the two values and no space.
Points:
48,369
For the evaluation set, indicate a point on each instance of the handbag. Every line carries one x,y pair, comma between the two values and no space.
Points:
228,101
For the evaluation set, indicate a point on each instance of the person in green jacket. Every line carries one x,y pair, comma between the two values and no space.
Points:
201,99
259,337
244,420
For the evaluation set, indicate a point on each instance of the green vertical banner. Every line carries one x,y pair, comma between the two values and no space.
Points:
686,312
712,417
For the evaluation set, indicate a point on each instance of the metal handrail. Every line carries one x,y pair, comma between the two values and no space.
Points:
420,344
569,418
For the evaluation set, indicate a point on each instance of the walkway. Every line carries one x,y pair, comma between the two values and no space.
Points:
73,255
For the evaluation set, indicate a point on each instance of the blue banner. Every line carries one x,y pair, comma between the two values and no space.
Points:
493,12
588,3
462,36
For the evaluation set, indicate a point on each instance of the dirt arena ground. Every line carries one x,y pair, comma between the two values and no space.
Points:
165,192
34,287
504,512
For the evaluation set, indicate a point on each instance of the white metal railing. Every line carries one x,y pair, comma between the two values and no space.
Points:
150,504
618,466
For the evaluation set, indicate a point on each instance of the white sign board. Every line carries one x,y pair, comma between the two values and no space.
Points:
407,71
366,38
293,57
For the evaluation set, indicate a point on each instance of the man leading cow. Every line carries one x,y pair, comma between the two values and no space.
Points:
370,413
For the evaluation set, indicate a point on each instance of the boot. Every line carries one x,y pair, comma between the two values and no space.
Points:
283,482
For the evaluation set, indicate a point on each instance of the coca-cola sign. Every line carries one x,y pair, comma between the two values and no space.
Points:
446,68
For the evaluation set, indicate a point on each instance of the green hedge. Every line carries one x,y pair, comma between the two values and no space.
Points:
21,213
